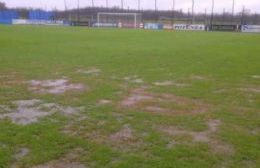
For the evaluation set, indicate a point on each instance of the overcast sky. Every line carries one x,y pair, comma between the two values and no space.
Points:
200,5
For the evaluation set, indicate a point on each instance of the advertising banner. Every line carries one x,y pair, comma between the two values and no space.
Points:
224,27
154,26
37,22
167,26
250,28
105,25
196,27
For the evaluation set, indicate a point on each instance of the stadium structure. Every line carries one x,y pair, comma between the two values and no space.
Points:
118,18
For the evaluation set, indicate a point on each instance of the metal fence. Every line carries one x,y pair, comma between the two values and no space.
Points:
40,15
6,16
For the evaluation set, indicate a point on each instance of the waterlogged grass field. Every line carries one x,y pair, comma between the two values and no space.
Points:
77,98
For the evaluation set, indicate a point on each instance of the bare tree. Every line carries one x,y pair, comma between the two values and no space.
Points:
2,5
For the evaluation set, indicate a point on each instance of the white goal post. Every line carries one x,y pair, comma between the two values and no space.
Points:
130,20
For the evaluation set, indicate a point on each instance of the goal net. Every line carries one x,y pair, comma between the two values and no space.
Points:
121,20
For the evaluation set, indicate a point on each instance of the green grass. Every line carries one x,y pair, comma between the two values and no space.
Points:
226,62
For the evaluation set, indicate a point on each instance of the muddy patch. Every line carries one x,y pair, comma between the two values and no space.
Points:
156,109
30,111
4,109
26,112
124,139
123,136
70,160
104,102
20,153
162,103
18,156
255,76
221,148
213,125
133,79
196,136
206,136
58,86
255,131
136,96
197,77
220,91
61,164
90,71
252,89
170,83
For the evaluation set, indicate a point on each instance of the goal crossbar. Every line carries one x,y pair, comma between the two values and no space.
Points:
135,15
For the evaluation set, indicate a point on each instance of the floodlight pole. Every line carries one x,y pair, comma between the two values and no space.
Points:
192,8
155,5
107,3
98,20
93,4
135,21
122,4
173,7
212,13
223,15
242,15
78,12
233,8
205,16
65,6
139,5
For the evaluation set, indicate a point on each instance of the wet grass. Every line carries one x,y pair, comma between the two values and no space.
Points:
215,66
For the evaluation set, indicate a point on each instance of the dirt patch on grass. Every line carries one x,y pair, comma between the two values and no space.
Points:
221,148
61,164
26,112
255,76
4,109
206,136
250,89
255,131
123,136
220,91
58,86
18,156
124,139
20,153
70,160
104,102
136,96
133,79
202,136
213,125
157,109
162,103
90,71
30,111
196,77
170,83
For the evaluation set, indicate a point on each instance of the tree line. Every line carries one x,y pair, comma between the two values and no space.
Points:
165,16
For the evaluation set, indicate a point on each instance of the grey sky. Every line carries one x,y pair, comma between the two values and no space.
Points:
200,5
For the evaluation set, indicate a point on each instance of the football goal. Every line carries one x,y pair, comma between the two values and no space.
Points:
121,20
